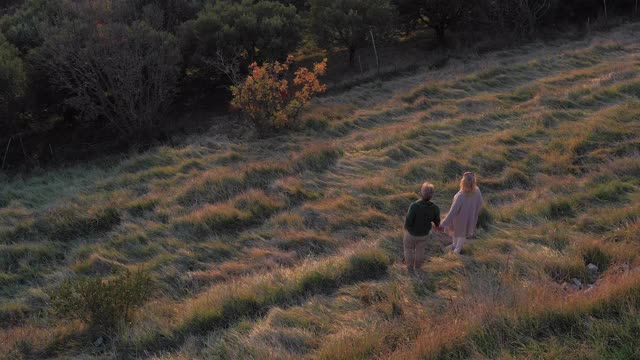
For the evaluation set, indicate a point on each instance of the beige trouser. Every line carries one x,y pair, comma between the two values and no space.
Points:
414,250
458,243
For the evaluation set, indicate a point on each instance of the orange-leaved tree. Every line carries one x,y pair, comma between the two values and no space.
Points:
270,100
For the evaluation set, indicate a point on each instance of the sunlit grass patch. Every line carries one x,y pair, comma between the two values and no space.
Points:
140,206
316,157
212,186
226,304
210,219
609,219
295,189
304,243
29,257
96,265
264,173
555,239
258,203
68,222
418,170
300,318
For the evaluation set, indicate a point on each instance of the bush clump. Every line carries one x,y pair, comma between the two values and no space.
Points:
102,304
269,100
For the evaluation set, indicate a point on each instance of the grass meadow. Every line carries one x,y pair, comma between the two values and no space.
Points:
290,247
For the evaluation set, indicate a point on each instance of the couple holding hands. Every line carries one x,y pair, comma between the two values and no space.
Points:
460,223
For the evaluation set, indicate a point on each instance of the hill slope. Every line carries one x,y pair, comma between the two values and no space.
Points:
291,247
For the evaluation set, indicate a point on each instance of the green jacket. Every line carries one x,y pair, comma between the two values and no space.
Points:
420,216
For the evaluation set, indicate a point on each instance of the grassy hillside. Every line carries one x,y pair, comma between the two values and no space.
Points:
291,247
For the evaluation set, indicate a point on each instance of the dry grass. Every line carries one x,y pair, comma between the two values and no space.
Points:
291,247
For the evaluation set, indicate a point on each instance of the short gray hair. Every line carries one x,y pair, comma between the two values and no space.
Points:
427,190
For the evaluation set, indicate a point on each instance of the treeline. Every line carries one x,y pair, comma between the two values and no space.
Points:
109,71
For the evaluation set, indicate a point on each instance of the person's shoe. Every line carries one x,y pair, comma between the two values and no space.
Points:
448,248
457,251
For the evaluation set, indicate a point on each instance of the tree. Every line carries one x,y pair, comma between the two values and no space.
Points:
26,28
271,101
165,15
439,15
13,80
124,75
347,23
12,72
521,17
262,30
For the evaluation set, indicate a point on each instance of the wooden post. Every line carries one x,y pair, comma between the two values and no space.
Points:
635,10
360,63
605,10
373,41
6,152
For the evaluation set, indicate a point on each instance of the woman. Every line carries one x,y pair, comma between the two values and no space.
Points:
462,219
417,225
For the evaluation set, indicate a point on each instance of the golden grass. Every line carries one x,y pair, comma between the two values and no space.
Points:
291,247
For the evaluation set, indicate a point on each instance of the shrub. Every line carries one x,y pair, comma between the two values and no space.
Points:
272,102
102,304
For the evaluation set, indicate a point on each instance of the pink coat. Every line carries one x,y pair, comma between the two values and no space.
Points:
462,219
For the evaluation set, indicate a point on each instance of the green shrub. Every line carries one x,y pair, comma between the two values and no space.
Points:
102,304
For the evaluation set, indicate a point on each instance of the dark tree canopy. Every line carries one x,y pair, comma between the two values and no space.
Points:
13,80
123,76
263,30
347,23
439,15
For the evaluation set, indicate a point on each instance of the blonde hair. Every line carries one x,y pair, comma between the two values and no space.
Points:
427,190
468,183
